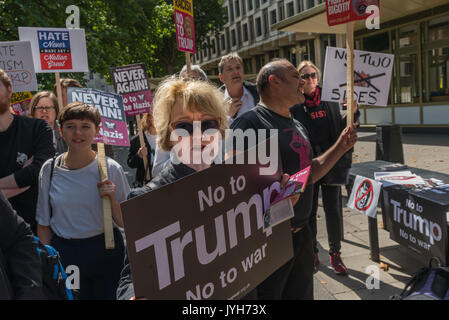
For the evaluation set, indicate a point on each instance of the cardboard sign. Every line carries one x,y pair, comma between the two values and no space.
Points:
209,243
113,129
16,60
20,103
342,11
365,196
417,222
372,76
57,49
185,29
133,84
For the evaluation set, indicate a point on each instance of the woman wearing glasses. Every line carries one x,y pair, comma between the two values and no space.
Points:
190,119
44,105
325,121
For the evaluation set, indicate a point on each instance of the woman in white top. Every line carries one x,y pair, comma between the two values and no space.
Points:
69,210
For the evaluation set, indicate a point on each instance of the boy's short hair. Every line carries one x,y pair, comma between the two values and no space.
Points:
5,78
68,83
227,58
80,111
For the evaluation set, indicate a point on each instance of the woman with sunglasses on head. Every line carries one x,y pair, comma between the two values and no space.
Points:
325,121
44,105
137,152
190,119
70,209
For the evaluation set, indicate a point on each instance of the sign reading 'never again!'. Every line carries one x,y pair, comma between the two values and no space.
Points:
372,76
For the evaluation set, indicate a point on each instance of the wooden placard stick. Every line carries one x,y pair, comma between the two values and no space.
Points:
107,211
59,91
188,65
142,144
349,74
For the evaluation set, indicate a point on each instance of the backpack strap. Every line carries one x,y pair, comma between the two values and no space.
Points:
49,186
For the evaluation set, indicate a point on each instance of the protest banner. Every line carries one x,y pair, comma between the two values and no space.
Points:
419,219
343,11
56,49
19,103
372,74
365,196
16,60
185,29
347,11
113,130
133,84
209,243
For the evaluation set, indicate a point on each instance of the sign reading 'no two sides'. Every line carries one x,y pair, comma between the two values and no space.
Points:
113,129
342,11
57,49
133,84
372,76
185,30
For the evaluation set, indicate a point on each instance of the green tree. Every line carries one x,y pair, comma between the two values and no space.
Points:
117,32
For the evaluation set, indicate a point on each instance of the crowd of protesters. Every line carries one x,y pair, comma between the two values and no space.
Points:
50,184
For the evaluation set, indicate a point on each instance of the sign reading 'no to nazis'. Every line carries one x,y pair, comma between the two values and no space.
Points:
185,30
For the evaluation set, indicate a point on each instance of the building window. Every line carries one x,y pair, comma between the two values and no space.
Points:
214,48
281,12
290,9
408,36
223,42
233,38
231,12
243,7
205,52
239,33
438,28
377,43
245,32
266,27
273,16
247,66
237,9
260,61
311,4
439,72
257,3
299,5
250,5
258,27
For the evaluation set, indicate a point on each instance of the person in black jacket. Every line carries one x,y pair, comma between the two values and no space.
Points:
325,122
25,144
137,153
173,118
241,95
20,265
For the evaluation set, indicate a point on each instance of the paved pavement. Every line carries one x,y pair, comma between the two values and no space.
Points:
420,150
428,151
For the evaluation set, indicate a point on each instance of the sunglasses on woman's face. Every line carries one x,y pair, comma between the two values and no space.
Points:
306,76
188,126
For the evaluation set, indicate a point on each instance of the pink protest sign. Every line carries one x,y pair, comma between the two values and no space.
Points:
342,11
113,129
185,30
133,84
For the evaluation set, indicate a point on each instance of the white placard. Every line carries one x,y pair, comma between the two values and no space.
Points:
57,49
16,60
364,196
372,76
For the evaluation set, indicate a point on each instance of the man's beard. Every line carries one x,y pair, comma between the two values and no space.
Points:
4,107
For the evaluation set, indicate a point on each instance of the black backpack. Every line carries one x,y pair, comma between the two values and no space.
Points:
429,283
53,274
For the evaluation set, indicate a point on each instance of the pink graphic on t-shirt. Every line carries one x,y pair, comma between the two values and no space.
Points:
301,146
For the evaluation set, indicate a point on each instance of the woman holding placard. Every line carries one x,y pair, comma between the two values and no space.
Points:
44,105
137,152
325,121
69,209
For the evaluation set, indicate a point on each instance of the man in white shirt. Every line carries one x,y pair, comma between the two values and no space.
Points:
241,94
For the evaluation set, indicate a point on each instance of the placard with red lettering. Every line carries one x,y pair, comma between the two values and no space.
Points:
57,49
113,129
133,84
20,103
342,11
185,29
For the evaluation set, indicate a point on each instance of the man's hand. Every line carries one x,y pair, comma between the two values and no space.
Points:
347,139
234,107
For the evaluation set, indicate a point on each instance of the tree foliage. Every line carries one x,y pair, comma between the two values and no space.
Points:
117,32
